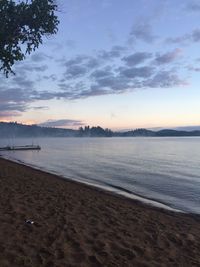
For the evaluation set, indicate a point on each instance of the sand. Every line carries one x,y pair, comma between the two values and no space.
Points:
77,225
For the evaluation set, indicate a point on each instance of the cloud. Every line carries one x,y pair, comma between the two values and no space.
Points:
193,6
51,77
79,66
15,95
187,38
104,78
192,68
142,72
91,63
24,77
8,114
112,83
13,102
31,67
114,52
196,35
142,31
40,108
93,91
22,81
75,71
164,79
18,91
88,76
168,57
129,79
100,73
137,58
61,123
113,71
39,57
101,82
71,44
178,40
79,59
5,107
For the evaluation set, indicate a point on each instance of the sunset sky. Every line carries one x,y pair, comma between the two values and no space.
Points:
120,64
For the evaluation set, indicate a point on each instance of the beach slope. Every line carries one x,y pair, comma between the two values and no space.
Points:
77,225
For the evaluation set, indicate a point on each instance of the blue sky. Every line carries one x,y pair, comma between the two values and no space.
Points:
118,64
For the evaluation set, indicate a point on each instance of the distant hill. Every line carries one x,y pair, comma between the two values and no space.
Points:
169,132
14,129
188,128
135,133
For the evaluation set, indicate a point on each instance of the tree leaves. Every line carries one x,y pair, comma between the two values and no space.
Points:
22,26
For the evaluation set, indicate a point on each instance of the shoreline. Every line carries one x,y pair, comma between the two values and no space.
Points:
80,225
113,191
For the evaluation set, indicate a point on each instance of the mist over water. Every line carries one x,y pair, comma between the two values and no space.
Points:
164,169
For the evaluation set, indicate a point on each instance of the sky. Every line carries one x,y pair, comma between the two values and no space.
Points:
120,64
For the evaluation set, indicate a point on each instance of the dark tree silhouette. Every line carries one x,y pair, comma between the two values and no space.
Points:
22,26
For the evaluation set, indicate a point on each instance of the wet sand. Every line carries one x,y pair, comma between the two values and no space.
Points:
78,225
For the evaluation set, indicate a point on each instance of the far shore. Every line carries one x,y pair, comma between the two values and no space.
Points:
79,225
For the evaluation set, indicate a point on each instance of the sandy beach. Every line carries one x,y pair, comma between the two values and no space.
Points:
78,225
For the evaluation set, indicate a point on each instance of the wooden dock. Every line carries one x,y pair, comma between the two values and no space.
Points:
27,147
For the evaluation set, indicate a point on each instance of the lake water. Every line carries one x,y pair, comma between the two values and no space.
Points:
166,170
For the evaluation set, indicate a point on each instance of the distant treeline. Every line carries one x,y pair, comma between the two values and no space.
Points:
14,129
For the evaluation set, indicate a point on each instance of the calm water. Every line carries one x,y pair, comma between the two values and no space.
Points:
166,170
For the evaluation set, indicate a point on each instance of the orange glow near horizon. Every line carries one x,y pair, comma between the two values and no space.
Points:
5,120
30,122
115,125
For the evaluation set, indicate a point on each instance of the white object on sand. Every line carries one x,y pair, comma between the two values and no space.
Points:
29,222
